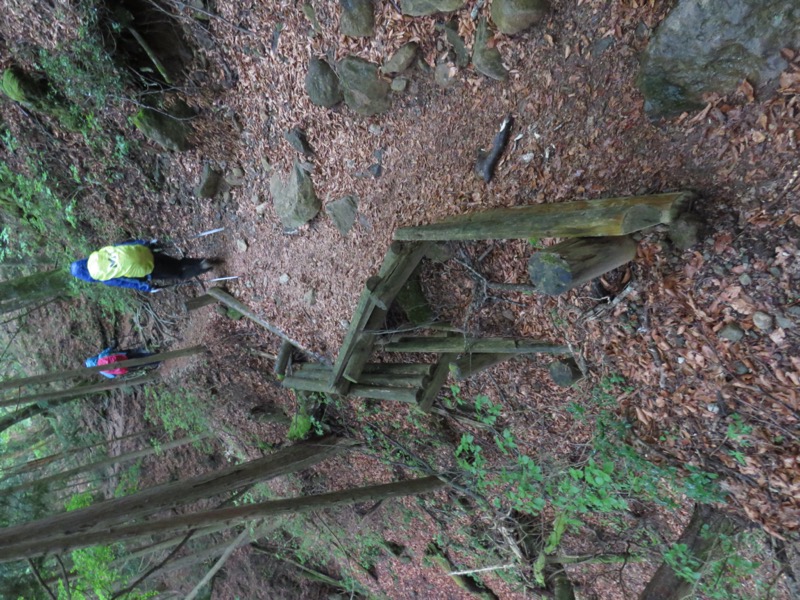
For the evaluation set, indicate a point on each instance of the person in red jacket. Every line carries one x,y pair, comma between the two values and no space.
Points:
109,356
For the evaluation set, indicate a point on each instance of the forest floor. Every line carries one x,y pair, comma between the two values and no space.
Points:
649,334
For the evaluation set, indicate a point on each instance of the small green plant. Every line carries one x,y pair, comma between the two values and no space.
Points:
176,411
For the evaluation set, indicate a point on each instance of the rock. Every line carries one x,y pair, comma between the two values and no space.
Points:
401,60
451,33
241,246
311,15
162,128
762,321
418,8
343,213
310,297
283,279
399,84
731,332
297,140
210,182
358,18
364,91
445,74
601,45
686,230
294,200
322,84
376,170
487,60
745,279
513,16
375,129
711,46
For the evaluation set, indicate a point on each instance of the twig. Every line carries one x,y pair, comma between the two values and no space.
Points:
211,15
239,541
65,575
155,567
40,580
483,570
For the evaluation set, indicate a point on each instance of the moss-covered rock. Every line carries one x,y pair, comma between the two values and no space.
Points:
418,8
513,16
163,129
364,91
487,60
322,84
401,59
358,18
294,200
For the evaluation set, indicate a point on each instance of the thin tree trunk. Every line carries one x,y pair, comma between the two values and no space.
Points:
81,390
119,510
58,542
106,462
701,537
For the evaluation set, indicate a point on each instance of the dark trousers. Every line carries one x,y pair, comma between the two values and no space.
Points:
167,267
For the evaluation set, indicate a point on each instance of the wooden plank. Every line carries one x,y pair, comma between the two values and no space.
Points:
585,218
393,379
409,395
399,368
306,385
282,360
461,344
359,320
404,264
199,302
470,364
440,373
238,306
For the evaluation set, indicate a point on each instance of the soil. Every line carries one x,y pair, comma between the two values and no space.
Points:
579,133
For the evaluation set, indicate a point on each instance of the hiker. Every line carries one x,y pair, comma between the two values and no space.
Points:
135,264
110,356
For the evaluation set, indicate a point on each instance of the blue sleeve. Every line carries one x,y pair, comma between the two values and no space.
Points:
134,243
105,352
130,283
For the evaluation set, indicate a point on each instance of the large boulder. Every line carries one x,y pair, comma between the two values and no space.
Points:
167,131
487,60
711,46
294,199
418,8
364,91
358,18
513,16
322,84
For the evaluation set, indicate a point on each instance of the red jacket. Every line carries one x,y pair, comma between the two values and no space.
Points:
112,358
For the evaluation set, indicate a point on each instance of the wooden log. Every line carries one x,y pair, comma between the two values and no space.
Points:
360,318
401,261
470,364
306,385
399,368
199,302
569,264
393,379
565,373
409,395
236,305
460,344
284,355
437,380
585,218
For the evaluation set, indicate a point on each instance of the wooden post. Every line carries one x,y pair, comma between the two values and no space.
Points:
470,364
412,300
459,344
585,218
565,373
438,378
569,264
284,355
401,261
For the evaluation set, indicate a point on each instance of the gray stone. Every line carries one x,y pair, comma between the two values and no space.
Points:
310,297
241,246
311,15
418,8
745,279
210,182
513,16
445,74
686,231
294,200
322,84
167,131
374,129
401,60
740,368
451,33
784,322
283,279
762,321
343,213
711,46
731,332
399,84
487,60
358,18
297,140
364,91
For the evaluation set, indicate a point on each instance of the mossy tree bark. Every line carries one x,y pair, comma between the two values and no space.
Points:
22,292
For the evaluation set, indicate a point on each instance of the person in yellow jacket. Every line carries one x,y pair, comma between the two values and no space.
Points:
135,265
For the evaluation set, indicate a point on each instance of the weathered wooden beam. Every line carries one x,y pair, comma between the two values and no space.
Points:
470,364
460,344
393,379
306,385
585,218
562,267
396,394
238,306
400,263
284,355
359,320
384,368
199,302
440,373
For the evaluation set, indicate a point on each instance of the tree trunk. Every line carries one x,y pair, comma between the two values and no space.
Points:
169,495
60,541
23,291
592,218
81,390
703,546
560,268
